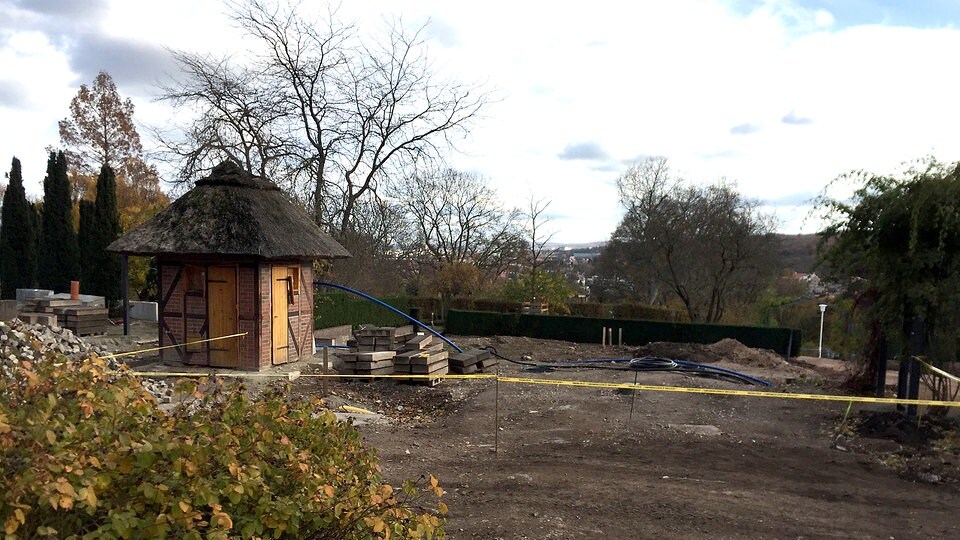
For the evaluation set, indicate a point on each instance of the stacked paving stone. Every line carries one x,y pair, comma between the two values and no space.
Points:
373,348
394,350
82,320
421,356
473,361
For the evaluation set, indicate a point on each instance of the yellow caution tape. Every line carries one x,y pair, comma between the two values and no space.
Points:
722,392
580,384
131,353
937,370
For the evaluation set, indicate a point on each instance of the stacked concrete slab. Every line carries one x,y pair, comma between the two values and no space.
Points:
473,361
385,338
367,363
421,356
394,351
82,317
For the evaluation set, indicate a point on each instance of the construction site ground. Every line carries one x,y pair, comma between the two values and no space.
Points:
524,461
569,462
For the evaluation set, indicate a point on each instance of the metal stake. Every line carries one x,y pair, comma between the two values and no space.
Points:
496,416
634,398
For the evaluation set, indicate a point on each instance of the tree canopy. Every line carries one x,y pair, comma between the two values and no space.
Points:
18,237
897,241
101,131
59,261
708,245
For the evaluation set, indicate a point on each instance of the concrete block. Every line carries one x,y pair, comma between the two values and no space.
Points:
8,310
88,300
24,295
144,311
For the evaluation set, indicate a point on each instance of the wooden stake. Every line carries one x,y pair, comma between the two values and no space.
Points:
325,364
620,340
634,398
603,338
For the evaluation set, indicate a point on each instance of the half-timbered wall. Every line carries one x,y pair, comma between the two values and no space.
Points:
184,307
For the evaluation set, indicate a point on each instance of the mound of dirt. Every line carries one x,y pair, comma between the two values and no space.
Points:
729,350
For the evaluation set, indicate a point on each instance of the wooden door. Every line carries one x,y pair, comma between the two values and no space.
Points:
222,316
280,293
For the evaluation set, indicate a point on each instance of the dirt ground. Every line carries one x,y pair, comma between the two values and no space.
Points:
573,462
570,462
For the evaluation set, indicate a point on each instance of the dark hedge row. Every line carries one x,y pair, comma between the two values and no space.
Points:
635,332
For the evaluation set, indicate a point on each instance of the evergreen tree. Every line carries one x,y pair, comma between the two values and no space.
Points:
105,275
85,234
17,238
59,257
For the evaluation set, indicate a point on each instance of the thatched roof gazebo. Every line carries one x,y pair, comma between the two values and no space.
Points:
234,255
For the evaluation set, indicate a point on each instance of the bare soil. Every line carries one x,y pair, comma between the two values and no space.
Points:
570,462
524,461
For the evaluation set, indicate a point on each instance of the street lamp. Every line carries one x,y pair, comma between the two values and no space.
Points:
823,308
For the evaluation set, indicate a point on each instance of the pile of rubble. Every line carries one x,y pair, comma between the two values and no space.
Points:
21,341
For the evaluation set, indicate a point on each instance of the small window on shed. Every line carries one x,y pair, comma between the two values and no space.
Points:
294,273
195,280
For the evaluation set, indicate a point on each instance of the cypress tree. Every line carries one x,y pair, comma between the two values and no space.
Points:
59,257
17,237
85,232
105,280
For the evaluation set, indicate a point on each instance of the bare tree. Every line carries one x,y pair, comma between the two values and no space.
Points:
537,250
242,117
357,112
708,245
458,219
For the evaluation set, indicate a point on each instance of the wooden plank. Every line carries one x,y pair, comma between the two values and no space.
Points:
278,290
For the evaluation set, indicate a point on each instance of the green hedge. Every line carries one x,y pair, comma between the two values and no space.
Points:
335,309
635,332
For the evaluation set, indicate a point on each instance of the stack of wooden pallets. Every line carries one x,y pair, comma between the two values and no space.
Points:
421,356
473,361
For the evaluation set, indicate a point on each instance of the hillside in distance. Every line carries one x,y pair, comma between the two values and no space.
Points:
797,252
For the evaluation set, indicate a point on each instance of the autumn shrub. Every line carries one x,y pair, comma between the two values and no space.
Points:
87,453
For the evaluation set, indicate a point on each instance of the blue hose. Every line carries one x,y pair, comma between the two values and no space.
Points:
391,308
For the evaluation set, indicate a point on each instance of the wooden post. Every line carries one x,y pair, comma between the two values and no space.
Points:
603,338
620,338
125,288
325,369
881,384
917,347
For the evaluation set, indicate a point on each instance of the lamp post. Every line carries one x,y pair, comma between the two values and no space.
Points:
823,308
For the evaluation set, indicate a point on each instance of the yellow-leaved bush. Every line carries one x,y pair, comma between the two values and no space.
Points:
87,453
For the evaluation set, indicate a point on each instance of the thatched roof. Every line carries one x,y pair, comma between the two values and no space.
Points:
231,212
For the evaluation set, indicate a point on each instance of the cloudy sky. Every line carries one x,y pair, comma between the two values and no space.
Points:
779,96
